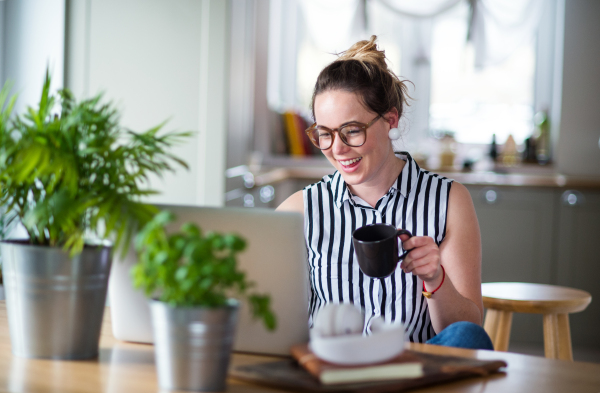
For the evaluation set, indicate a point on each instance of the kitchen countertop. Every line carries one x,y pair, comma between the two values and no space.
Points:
524,176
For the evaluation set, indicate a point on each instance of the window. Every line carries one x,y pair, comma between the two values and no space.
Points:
450,93
474,104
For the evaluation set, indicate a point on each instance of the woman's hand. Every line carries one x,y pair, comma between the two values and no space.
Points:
459,298
423,260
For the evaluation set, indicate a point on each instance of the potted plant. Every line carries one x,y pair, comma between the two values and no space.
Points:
192,278
73,178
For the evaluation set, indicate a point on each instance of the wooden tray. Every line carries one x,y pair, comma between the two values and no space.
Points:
287,374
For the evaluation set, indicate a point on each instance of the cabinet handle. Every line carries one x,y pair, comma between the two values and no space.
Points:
267,193
490,195
572,198
248,180
248,200
241,171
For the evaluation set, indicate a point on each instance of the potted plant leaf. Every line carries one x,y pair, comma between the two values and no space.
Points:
192,279
73,178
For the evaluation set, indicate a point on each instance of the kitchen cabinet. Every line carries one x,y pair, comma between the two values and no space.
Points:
517,232
578,257
517,238
543,235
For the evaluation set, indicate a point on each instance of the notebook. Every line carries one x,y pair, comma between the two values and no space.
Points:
275,259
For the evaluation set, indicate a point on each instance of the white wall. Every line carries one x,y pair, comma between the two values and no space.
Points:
160,60
578,149
2,27
33,32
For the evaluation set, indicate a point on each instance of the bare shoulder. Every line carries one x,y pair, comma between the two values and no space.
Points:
459,199
461,211
295,203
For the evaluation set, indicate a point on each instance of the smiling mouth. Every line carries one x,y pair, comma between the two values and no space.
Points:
350,162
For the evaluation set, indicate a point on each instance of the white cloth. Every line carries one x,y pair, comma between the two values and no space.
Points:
498,27
333,25
419,8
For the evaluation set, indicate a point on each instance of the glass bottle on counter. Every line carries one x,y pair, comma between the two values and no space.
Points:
494,149
448,153
542,140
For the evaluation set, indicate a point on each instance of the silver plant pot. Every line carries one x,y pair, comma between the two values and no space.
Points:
193,345
55,303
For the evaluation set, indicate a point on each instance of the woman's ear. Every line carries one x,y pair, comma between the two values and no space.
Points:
392,118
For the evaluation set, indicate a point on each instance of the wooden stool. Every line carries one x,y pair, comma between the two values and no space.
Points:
556,303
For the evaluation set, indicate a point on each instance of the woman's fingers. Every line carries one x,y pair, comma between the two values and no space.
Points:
423,259
419,251
416,241
421,265
404,238
426,268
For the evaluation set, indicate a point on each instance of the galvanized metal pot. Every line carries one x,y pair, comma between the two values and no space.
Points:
55,303
193,345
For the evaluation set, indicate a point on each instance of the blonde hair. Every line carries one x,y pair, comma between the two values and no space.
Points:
362,69
365,51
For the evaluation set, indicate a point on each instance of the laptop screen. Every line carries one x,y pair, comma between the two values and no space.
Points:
275,259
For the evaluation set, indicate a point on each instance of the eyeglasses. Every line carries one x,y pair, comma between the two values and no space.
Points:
353,134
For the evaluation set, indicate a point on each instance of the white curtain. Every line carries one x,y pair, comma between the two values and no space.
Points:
333,25
419,8
498,27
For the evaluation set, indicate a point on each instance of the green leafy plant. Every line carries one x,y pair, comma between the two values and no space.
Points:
191,268
67,168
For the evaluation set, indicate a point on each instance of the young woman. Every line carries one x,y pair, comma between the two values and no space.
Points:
357,104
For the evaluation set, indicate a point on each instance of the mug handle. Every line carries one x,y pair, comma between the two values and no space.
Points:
403,232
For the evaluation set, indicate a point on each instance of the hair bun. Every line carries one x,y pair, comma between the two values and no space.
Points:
365,51
363,69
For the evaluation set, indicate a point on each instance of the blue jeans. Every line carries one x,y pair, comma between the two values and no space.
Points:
463,335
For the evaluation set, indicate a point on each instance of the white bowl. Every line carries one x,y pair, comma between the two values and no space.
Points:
352,349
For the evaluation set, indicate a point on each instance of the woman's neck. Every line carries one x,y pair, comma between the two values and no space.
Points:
372,190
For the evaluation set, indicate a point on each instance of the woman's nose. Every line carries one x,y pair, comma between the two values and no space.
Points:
338,146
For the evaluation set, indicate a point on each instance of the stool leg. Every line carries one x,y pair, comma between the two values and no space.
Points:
490,325
503,333
551,336
565,351
497,325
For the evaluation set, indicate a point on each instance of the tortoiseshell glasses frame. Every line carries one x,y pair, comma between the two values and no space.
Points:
353,134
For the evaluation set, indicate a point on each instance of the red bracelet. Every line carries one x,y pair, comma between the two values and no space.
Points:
428,294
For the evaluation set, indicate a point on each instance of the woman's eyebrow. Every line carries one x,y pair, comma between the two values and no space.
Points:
342,125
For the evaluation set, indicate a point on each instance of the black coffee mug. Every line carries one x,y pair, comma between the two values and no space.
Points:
376,248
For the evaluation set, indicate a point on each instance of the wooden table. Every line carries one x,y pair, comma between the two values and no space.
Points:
126,367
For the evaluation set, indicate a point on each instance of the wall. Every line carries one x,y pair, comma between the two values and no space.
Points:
33,38
578,149
159,61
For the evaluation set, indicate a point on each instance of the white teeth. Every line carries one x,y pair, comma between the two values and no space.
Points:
352,161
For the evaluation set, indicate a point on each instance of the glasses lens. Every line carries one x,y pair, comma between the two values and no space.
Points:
353,135
321,138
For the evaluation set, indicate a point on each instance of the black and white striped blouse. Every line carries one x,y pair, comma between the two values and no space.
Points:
417,201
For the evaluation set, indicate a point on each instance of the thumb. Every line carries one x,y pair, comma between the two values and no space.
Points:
404,237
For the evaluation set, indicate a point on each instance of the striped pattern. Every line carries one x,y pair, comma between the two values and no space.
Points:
417,202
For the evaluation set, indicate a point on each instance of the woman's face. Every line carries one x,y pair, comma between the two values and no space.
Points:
362,165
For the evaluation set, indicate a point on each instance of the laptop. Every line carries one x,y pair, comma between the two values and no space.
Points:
274,258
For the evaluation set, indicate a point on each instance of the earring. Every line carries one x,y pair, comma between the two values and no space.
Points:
394,134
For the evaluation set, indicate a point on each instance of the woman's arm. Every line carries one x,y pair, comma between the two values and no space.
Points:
294,203
459,298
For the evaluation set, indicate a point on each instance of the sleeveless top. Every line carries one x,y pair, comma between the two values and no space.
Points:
417,201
